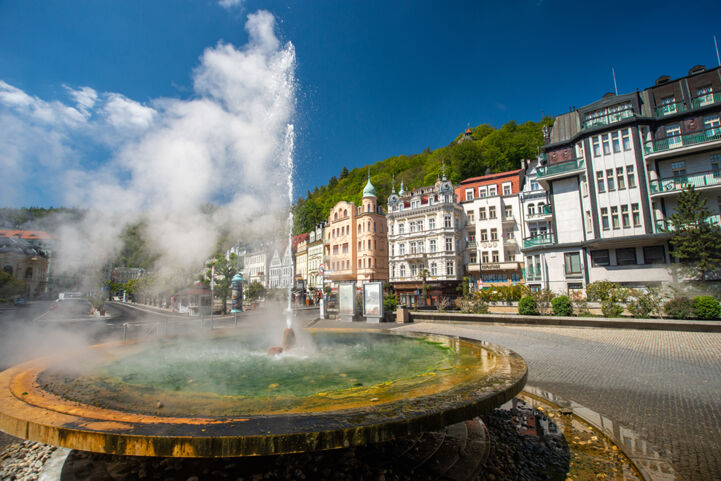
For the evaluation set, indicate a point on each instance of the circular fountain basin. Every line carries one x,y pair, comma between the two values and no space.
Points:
223,396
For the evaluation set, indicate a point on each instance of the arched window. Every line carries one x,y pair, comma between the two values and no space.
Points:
540,207
29,273
374,226
345,213
531,209
359,228
359,263
335,216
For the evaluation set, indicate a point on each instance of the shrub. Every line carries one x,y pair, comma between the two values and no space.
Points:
472,304
543,300
562,306
706,307
600,291
611,309
527,306
390,303
644,304
679,308
443,304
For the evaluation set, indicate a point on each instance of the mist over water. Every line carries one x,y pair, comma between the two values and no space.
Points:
229,143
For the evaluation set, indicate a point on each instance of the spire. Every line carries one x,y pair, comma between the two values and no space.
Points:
369,190
444,170
393,183
401,192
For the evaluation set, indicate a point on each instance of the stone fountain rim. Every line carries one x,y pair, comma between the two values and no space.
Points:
261,434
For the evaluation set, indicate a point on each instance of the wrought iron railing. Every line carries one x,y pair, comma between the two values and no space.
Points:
679,183
559,168
677,141
538,240
608,119
670,108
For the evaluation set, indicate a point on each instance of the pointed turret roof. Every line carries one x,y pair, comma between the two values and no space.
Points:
369,190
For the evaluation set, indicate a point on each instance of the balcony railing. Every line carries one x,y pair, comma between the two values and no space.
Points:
664,225
672,108
678,141
538,240
677,184
608,119
706,99
559,168
547,210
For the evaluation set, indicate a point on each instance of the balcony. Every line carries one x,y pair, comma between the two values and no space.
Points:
678,141
500,266
559,168
547,210
672,185
538,240
669,109
664,225
608,119
707,99
508,219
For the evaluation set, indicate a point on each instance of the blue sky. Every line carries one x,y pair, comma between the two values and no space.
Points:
373,78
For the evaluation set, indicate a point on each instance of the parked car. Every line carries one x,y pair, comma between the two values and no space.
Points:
20,302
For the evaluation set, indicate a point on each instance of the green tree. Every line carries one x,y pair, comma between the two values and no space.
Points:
225,269
9,286
695,240
255,291
343,173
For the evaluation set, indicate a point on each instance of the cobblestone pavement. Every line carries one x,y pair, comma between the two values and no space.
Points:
664,385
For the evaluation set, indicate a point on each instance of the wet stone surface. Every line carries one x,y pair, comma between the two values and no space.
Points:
516,444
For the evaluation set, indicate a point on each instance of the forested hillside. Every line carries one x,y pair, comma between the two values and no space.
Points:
491,150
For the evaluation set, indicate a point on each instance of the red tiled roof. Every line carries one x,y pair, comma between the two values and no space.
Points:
25,234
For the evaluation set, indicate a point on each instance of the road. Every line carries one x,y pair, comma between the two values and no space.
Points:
664,385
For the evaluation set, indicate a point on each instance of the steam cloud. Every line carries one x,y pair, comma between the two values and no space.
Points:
227,145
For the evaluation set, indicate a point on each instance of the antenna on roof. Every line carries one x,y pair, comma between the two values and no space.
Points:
718,59
615,87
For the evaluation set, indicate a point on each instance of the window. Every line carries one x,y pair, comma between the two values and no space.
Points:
473,257
535,185
604,218
469,194
600,258
403,270
482,213
531,210
621,181
432,245
572,262
434,269
447,221
484,257
606,144
610,183
596,147
673,136
414,270
469,216
704,96
584,186
508,212
599,180
492,212
630,176
715,160
507,189
449,244
626,138
432,223
472,237
29,273
402,248
616,141
624,217
494,256
678,169
614,217
401,228
449,268
636,215
626,257
712,125
494,234
484,235
654,255
492,190
668,105
589,222
481,192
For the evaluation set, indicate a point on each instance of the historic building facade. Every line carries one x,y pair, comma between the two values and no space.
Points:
493,227
425,240
356,241
315,256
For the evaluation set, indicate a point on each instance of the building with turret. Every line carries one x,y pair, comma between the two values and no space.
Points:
425,241
356,246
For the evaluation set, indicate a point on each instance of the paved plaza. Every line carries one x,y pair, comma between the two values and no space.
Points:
664,385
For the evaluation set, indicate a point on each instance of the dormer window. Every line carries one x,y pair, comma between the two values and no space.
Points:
492,190
482,192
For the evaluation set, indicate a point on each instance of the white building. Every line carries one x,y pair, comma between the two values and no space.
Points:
425,228
315,255
281,269
536,223
256,264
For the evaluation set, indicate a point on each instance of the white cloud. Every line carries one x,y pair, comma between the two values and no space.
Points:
231,3
229,141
